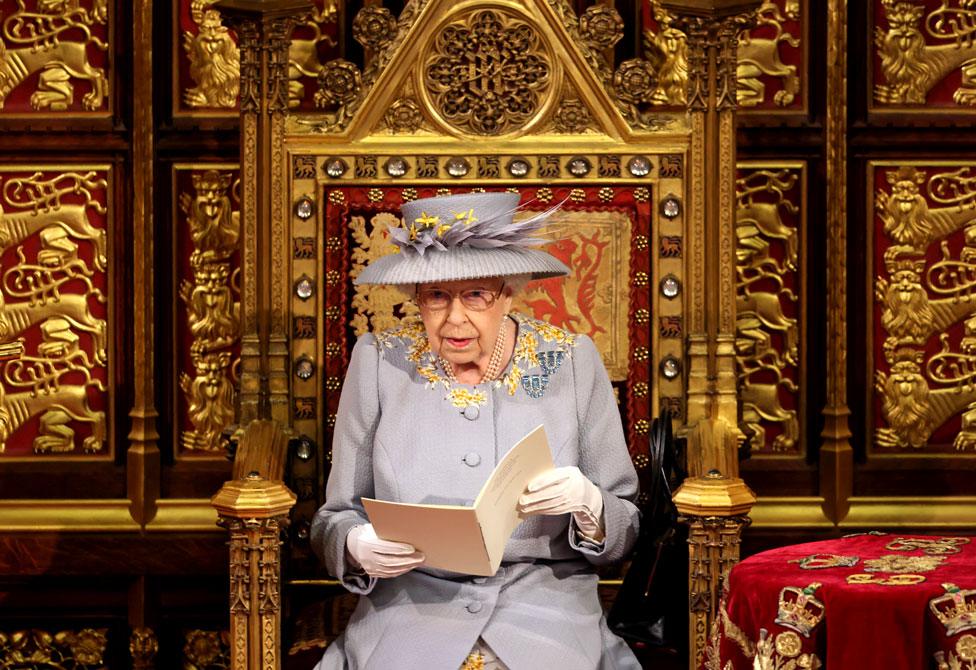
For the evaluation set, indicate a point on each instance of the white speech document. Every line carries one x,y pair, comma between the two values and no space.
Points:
469,540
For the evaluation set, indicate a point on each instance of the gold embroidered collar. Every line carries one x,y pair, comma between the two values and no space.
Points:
413,338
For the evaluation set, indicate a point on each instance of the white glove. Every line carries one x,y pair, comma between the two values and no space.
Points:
378,557
563,490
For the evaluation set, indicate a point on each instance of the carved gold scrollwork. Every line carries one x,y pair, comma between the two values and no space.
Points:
911,67
53,43
765,372
43,291
33,203
33,648
488,72
760,56
920,300
213,313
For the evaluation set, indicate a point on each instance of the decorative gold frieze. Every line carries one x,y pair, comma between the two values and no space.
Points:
212,307
768,206
35,648
465,60
54,45
920,48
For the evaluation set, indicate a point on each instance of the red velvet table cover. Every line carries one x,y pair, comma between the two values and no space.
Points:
874,601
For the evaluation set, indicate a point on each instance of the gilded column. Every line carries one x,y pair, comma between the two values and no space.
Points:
254,509
714,500
263,29
142,457
836,455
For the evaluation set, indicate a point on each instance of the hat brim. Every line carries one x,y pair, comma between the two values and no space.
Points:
461,263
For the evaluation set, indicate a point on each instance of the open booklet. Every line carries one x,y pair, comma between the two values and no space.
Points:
470,540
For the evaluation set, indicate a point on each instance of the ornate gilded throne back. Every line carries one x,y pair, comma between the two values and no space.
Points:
525,96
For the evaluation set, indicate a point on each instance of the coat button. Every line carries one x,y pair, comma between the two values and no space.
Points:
474,607
479,580
472,459
471,412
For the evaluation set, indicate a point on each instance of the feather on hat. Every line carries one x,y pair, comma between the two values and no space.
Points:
464,236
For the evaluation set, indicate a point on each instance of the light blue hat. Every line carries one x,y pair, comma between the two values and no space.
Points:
464,236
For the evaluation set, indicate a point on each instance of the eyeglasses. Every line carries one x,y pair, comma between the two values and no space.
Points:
475,299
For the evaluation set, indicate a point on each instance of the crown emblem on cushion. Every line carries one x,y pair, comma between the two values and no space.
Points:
799,609
955,609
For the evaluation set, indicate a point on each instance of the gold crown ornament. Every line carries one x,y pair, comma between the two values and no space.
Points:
956,609
799,609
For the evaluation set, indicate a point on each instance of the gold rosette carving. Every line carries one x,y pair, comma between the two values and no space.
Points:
488,73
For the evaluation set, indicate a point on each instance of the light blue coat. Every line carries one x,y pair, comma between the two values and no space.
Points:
400,437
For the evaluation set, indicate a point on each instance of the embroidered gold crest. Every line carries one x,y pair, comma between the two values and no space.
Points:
822,561
903,564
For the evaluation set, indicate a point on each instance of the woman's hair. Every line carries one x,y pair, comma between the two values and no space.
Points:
517,282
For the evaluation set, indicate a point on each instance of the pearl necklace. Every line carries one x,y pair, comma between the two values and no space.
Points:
494,363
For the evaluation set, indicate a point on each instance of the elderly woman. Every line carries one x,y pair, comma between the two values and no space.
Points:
427,411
